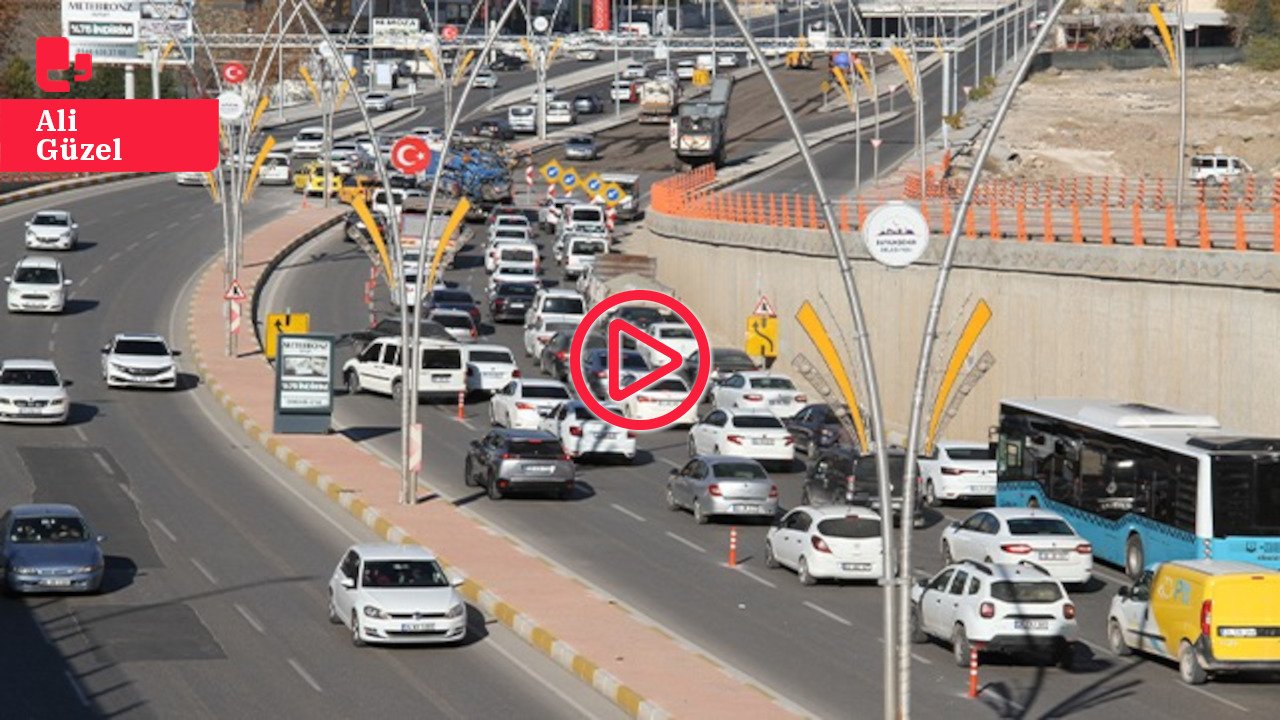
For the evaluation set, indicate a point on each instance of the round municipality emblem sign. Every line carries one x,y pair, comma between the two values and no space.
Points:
896,234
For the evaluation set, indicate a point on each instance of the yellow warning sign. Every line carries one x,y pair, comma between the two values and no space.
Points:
284,323
762,336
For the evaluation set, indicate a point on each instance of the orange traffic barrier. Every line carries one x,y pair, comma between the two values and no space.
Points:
946,217
733,547
973,670
1170,236
924,213
1106,224
1275,228
971,225
994,222
1241,242
1048,222
1160,191
1142,191
775,218
1021,221
1123,200
1088,190
1250,187
1202,217
1137,224
813,213
844,215
462,405
1224,197
1077,236
862,213
785,220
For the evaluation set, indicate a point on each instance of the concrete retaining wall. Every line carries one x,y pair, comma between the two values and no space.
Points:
1132,59
1198,330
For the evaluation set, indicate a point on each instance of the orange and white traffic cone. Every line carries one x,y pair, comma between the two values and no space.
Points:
462,405
973,670
733,547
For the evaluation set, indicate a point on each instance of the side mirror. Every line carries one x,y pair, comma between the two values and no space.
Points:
75,226
67,282
922,582
8,279
954,525
455,582
106,348
175,353
102,538
67,383
348,583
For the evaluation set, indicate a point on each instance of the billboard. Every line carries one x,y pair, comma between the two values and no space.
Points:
97,22
304,383
397,33
160,21
113,30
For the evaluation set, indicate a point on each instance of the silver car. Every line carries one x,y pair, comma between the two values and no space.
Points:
50,548
713,485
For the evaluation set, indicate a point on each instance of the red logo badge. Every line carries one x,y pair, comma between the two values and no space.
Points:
616,329
410,155
234,73
53,55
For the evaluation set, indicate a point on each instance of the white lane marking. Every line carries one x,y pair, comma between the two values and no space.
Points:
171,225
539,678
253,622
665,461
753,576
204,571
167,533
106,467
1219,698
53,328
50,346
306,676
626,512
114,256
75,685
823,611
133,245
686,543
128,493
151,234
95,269
79,431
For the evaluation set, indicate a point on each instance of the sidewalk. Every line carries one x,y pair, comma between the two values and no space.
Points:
646,672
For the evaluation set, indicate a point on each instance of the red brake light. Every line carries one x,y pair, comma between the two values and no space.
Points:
819,544
1206,618
788,440
1016,548
631,434
987,610
643,398
601,373
802,399
735,439
515,373
567,456
773,491
714,489
524,406
575,431
507,456
753,397
1069,611
561,354
1084,548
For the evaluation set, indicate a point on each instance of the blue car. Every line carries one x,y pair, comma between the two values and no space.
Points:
50,549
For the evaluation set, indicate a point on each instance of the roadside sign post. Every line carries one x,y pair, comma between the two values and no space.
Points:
304,384
761,338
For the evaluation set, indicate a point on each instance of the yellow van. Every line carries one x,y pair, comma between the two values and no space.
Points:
1211,616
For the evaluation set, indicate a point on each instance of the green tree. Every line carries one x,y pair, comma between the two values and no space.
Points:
17,79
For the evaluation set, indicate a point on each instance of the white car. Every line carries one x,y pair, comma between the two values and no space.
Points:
621,90
833,542
550,93
37,285
525,272
582,433
1006,608
685,69
586,54
959,471
521,403
139,360
489,367
382,203
633,71
379,102
396,593
559,305
485,79
32,391
676,335
503,221
191,178
759,390
1010,535
377,369
309,142
429,133
457,323
726,60
752,434
658,399
561,112
538,331
52,230
513,253
494,249
581,252
275,170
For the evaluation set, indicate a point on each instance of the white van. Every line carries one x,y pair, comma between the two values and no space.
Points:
377,369
582,214
275,169
581,252
522,118
1217,169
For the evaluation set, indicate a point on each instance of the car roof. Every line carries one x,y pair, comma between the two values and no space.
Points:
1012,572
539,382
1223,567
490,348
39,261
741,412
757,374
1005,513
28,364
826,512
311,128
139,336
717,459
962,445
56,213
561,292
40,509
393,551
450,312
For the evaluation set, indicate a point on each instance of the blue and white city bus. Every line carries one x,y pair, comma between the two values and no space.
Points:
1141,483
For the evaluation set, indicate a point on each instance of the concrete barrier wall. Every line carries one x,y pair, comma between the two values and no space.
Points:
1198,330
1132,59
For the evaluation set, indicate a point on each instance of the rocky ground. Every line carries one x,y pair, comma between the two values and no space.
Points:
1077,123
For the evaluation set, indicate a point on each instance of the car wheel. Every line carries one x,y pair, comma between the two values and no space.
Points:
769,559
1115,637
353,382
960,647
930,496
1189,665
918,635
495,492
1134,557
334,617
356,639
947,557
699,515
802,572
397,392
467,479
671,501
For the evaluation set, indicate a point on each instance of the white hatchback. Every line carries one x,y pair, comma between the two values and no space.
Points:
959,471
394,593
37,285
52,230
1011,535
827,543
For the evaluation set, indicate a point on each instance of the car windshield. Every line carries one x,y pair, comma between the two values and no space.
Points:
563,305
727,359
850,527
677,333
518,255
50,220
450,320
515,270
982,453
36,276
515,231
48,529
522,111
442,359
634,361
535,449
739,471
29,377
545,392
403,574
772,383
756,421
587,247
517,289
587,215
141,347
640,315
1026,592
491,356
579,141
1038,526
452,296
310,136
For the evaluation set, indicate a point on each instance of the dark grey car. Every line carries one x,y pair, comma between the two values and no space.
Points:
506,461
827,480
50,549
817,426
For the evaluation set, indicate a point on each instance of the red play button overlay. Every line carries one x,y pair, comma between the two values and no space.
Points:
618,328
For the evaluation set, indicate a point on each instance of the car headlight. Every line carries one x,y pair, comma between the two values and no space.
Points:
456,611
57,402
374,612
24,570
88,568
